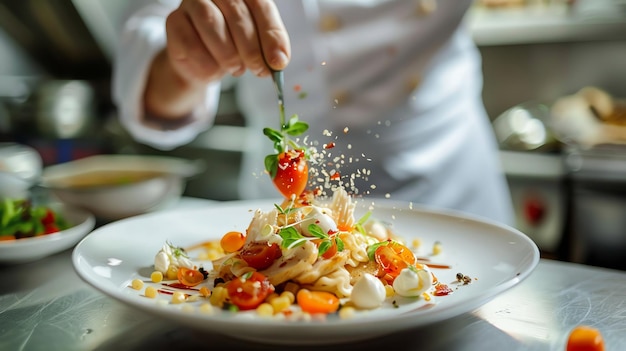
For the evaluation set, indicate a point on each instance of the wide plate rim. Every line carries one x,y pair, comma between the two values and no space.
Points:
396,323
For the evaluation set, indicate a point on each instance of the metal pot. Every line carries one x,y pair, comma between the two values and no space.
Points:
20,168
65,109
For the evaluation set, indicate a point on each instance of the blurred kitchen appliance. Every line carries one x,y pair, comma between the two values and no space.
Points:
598,218
53,33
65,109
569,197
538,186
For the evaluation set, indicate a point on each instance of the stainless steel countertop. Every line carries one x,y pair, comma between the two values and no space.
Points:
44,305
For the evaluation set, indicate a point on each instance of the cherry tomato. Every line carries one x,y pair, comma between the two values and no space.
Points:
261,255
232,241
332,251
317,301
393,258
189,277
50,228
248,292
48,218
585,338
292,173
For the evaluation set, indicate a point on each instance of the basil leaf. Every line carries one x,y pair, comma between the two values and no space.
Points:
324,246
273,134
371,250
271,165
291,238
317,231
339,242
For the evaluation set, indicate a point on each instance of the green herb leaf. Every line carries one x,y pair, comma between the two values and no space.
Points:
359,224
339,242
274,135
271,165
317,231
324,246
371,250
291,238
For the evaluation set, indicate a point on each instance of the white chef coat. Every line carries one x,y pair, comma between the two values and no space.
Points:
396,89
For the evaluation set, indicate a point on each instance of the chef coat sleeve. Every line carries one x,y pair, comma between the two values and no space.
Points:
142,36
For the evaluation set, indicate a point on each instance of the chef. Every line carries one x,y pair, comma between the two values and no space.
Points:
394,85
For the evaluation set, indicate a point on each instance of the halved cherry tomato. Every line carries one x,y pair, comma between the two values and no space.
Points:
189,277
261,255
332,251
317,301
232,241
585,338
292,173
249,291
393,258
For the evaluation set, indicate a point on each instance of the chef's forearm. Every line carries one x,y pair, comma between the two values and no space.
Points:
167,95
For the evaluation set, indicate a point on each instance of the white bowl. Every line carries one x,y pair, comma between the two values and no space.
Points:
35,248
114,199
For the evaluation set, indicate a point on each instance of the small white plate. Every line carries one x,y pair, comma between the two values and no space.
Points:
32,249
496,257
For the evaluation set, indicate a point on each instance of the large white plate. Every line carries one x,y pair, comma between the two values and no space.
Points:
32,249
497,257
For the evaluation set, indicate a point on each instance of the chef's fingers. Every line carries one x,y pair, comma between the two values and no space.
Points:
244,34
186,51
273,36
210,24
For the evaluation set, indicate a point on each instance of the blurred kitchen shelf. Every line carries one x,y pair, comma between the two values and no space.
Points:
559,22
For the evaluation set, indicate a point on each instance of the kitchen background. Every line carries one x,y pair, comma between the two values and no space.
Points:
54,96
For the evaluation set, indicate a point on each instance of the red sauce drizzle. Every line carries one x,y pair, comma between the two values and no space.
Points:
179,286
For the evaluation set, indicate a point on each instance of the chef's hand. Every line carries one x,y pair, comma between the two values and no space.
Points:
207,40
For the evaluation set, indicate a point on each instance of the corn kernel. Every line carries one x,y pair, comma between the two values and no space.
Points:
280,303
205,292
136,284
271,297
265,310
437,248
347,312
156,277
389,292
172,272
289,295
207,308
218,297
178,297
416,243
150,292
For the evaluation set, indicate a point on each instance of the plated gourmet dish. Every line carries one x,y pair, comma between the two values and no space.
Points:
299,259
309,255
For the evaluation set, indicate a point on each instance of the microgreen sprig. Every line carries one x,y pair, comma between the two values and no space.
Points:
361,221
177,251
291,238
